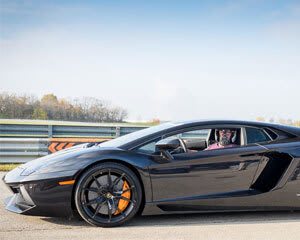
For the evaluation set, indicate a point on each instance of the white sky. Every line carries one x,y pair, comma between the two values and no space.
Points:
166,68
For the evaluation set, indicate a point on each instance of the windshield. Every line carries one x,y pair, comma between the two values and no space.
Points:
117,142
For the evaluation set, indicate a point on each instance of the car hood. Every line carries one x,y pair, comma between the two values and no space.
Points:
65,163
64,160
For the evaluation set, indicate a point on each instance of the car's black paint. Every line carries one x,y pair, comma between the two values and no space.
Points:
263,176
205,172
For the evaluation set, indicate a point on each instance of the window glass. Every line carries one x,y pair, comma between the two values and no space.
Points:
148,148
194,140
194,135
271,133
255,135
117,142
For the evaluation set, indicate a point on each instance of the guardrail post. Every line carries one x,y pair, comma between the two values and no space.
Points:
118,132
50,131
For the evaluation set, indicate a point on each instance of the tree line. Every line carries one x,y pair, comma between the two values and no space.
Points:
49,107
282,121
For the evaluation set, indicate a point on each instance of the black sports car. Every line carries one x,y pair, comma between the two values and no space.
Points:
199,166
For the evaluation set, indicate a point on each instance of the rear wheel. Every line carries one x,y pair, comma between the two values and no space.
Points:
108,194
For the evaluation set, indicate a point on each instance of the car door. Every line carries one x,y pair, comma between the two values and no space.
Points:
204,174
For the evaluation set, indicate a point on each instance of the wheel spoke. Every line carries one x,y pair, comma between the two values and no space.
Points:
126,199
117,180
99,205
91,189
120,211
121,192
109,211
97,183
97,210
109,179
128,189
91,202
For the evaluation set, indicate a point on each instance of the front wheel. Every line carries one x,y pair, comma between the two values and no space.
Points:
108,195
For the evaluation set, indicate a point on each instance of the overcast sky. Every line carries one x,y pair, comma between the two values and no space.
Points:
172,60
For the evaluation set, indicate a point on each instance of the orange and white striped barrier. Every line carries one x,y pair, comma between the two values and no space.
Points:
57,144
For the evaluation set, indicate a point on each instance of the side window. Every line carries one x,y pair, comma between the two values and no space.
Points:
194,135
271,133
194,140
148,148
255,135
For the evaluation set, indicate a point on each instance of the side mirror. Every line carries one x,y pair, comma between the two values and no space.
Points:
167,144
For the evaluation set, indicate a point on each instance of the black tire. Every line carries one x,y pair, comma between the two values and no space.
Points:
98,193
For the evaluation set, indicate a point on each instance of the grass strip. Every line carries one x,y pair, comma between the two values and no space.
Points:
5,167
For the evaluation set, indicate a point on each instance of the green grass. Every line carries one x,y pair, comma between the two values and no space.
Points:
5,167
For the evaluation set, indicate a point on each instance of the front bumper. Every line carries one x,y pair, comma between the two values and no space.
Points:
20,202
39,196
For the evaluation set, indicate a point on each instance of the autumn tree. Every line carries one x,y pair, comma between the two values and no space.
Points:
50,107
39,113
49,103
260,119
282,121
14,106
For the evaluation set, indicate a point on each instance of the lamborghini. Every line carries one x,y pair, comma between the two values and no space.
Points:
165,169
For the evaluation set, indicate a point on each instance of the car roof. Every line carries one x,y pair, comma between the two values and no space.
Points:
289,129
293,131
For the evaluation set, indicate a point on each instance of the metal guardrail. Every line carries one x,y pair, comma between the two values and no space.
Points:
22,141
20,150
56,131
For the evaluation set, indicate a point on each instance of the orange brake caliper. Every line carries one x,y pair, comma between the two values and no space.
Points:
123,203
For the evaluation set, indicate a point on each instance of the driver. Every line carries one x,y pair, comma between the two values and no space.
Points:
225,138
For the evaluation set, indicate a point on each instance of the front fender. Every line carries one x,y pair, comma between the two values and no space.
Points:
138,163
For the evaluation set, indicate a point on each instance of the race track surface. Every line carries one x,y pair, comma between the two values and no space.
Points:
260,225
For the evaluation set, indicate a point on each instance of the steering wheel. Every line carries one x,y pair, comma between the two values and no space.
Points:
181,149
182,144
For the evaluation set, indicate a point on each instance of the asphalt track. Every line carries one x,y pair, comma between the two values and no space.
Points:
260,225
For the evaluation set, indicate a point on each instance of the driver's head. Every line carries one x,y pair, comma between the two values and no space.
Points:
225,136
